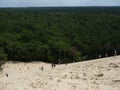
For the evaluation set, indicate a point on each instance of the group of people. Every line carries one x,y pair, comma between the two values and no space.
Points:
53,66
42,68
106,55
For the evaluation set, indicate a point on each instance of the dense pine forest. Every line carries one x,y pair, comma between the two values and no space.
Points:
59,34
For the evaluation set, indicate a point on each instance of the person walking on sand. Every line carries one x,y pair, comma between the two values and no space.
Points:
42,68
6,75
52,66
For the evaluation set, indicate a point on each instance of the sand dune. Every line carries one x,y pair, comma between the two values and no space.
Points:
100,74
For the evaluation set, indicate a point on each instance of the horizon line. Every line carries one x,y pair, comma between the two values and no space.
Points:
52,6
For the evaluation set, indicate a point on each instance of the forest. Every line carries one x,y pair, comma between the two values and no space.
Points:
59,34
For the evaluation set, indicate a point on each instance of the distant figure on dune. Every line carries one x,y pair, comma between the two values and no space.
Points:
6,75
53,66
27,68
20,69
115,53
59,61
100,56
42,68
106,55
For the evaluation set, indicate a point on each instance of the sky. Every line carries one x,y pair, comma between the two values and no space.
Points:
46,3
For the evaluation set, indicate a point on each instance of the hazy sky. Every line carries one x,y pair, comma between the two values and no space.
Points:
41,3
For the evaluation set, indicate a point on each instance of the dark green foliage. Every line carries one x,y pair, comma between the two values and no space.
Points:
53,34
3,55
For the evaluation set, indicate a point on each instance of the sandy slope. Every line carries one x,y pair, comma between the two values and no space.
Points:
101,74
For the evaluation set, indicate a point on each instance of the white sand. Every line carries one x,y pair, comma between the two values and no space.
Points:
101,74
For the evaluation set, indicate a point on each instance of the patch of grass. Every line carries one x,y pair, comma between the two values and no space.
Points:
116,81
113,65
59,80
64,76
100,75
77,77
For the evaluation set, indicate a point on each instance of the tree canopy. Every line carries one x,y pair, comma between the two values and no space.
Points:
66,33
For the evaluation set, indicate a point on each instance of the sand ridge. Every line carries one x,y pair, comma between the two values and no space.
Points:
100,74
